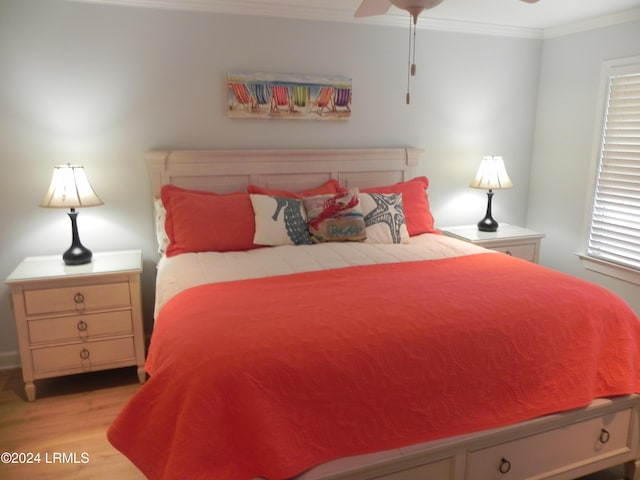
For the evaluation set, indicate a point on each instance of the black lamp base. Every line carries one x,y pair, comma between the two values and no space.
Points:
488,224
77,254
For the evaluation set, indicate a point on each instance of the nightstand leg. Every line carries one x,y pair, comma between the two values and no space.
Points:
142,375
632,470
30,391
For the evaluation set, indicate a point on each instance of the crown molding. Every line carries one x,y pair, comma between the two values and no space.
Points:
632,15
333,13
446,25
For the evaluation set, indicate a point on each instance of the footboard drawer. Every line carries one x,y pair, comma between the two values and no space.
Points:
554,451
439,470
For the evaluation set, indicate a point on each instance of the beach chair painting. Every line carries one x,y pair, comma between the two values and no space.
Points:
281,99
262,94
288,96
241,97
342,99
324,100
300,97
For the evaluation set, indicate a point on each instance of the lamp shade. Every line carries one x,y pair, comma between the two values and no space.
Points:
492,175
70,188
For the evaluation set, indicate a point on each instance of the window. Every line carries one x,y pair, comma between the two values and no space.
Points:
614,229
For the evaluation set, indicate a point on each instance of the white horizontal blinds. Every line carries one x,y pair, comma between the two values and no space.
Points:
615,224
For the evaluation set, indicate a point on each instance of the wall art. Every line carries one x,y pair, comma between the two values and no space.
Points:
288,96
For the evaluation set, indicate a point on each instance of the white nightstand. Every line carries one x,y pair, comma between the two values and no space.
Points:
75,319
510,239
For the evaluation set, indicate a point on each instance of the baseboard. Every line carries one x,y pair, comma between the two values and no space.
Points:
9,360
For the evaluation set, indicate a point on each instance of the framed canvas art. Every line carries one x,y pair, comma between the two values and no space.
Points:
288,96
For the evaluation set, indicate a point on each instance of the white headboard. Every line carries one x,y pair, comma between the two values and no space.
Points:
225,171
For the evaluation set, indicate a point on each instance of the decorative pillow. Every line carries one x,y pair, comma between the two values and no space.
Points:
335,218
279,221
415,203
161,234
384,218
198,221
328,187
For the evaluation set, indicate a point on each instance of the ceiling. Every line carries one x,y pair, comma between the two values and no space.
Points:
547,18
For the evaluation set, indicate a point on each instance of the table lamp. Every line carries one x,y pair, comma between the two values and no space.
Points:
70,188
492,176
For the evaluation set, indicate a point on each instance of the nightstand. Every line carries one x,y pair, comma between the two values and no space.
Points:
510,239
75,319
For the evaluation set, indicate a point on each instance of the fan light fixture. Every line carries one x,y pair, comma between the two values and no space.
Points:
415,8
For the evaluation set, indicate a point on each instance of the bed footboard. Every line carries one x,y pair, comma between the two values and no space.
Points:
562,446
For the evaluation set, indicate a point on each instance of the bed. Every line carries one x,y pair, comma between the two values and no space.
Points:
281,351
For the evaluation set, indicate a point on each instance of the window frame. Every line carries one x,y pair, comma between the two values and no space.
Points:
612,68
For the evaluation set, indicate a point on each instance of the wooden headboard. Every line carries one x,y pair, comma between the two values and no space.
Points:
225,171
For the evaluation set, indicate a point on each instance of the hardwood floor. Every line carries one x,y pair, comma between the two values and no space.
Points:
71,416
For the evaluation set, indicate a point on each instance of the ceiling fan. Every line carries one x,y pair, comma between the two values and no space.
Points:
370,8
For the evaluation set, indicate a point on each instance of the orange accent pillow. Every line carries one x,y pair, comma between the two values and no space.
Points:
198,221
328,187
415,203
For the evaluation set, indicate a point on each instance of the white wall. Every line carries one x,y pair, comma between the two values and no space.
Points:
565,152
98,85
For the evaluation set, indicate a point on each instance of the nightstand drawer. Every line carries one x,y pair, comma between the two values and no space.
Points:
77,299
526,252
537,456
510,239
80,326
83,356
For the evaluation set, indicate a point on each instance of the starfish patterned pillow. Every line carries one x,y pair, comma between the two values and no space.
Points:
384,218
279,221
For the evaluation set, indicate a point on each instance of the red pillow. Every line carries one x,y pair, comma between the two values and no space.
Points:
200,221
415,204
330,186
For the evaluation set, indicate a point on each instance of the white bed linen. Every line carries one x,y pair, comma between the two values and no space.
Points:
178,273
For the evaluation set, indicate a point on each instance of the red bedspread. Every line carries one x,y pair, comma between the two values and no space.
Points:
269,377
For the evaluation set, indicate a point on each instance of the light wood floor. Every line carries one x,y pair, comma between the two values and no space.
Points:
71,415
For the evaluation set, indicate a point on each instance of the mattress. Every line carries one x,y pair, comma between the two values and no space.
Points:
181,272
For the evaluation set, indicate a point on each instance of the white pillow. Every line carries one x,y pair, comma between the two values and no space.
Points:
161,233
384,218
279,221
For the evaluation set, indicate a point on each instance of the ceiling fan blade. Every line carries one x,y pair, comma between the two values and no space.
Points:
369,8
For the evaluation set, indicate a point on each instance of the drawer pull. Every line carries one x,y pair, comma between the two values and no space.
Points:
82,326
78,298
605,436
84,354
505,466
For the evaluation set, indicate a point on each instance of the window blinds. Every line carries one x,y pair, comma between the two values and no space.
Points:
615,223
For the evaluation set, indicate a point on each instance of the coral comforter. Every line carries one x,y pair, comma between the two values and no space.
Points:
271,376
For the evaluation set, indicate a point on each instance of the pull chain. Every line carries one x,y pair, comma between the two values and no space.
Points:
413,65
409,63
411,70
